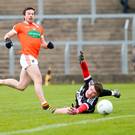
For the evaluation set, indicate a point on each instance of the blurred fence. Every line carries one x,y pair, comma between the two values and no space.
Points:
80,40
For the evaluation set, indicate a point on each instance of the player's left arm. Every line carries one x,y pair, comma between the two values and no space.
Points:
82,108
105,92
109,92
45,44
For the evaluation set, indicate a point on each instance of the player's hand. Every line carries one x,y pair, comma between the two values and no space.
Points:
72,111
81,57
8,43
50,45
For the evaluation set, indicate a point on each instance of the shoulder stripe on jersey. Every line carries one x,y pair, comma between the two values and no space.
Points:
87,78
36,25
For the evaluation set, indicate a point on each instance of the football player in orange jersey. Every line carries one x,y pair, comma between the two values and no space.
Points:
31,37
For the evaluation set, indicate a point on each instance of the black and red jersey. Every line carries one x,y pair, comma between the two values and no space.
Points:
80,94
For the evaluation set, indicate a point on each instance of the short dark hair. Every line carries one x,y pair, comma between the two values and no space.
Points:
28,8
98,87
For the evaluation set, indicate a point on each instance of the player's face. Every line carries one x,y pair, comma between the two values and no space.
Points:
91,92
29,16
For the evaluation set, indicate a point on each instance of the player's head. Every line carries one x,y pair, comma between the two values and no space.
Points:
94,90
98,87
29,14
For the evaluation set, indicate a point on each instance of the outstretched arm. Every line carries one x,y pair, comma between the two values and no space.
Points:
72,110
109,92
61,110
82,108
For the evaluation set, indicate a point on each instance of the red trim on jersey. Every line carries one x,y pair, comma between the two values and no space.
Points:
85,71
82,108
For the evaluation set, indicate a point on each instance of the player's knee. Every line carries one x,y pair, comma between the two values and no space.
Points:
38,81
21,88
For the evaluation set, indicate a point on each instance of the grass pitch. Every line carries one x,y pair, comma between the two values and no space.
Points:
20,113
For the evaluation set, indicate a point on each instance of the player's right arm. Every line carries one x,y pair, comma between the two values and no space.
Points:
10,34
8,42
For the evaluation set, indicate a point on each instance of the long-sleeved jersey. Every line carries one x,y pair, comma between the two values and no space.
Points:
81,99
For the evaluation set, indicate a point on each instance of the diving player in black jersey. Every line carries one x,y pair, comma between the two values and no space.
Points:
87,96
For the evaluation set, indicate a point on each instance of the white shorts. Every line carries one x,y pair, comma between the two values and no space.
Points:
27,60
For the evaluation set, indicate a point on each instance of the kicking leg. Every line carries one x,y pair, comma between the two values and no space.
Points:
35,75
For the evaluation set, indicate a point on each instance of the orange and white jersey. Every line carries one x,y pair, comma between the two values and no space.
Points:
29,35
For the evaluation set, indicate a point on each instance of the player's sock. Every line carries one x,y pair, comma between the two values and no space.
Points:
51,109
46,106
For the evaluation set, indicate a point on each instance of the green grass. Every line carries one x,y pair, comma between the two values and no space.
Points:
21,111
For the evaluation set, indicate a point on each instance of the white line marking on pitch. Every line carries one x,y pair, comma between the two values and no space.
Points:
53,126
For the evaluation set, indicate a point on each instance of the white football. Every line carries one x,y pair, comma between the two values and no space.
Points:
104,107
